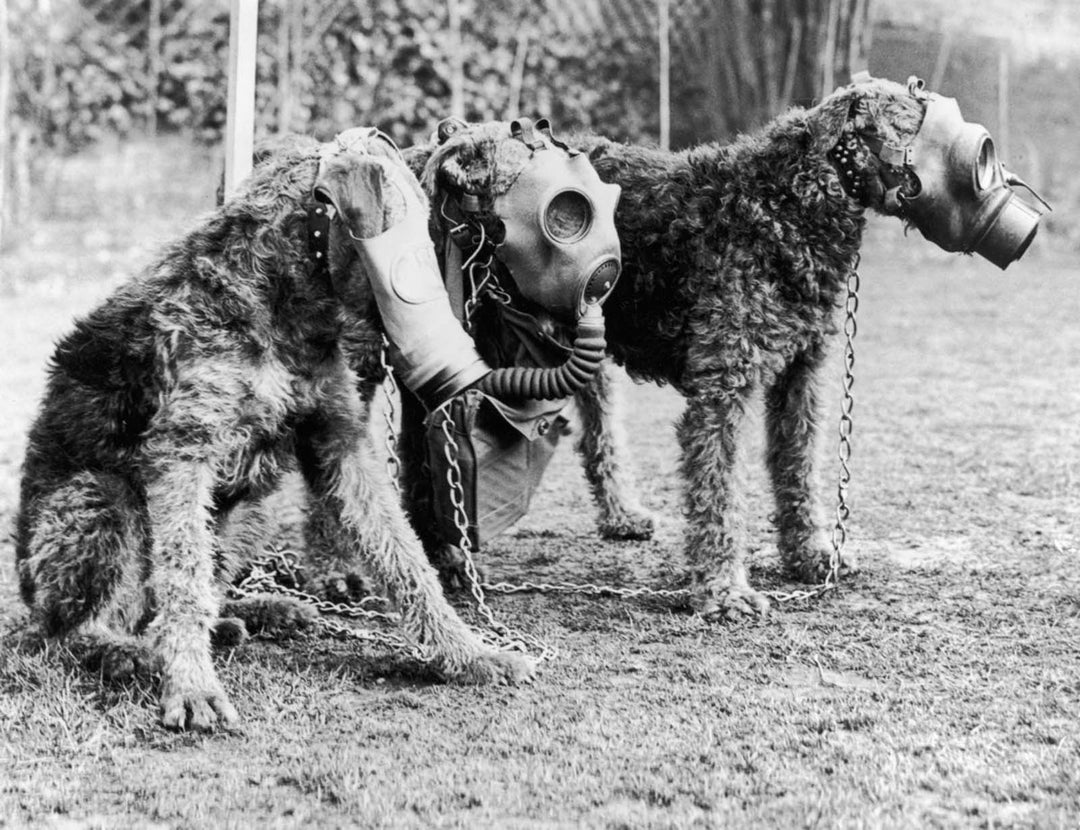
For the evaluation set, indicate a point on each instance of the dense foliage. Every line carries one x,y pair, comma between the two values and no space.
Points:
85,70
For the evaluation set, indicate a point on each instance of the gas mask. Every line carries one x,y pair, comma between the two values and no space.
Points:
560,243
429,349
965,201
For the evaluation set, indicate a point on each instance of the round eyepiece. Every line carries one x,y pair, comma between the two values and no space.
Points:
568,216
986,164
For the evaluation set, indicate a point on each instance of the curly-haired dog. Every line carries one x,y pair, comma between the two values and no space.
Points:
174,407
735,261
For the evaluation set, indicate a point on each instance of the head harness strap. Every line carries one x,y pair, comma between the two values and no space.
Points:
848,148
321,213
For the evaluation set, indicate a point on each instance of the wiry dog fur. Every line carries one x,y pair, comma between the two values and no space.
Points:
735,261
177,405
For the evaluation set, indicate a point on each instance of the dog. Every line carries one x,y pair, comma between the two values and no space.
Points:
175,408
735,264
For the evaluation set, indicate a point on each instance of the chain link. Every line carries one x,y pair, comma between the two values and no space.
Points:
279,572
586,589
504,636
389,387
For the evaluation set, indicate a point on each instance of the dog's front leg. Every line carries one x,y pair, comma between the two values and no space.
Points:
791,417
713,473
178,491
601,449
342,471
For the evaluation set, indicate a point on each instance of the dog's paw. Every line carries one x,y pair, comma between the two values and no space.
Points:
124,661
733,603
287,618
812,566
228,632
268,616
505,667
184,706
449,561
636,525
342,587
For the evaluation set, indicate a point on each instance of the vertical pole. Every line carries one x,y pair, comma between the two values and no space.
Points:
664,8
240,120
457,62
1003,99
828,49
517,76
153,48
284,40
5,97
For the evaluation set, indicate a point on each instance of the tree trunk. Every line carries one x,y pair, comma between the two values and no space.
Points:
663,34
5,116
154,65
457,61
775,53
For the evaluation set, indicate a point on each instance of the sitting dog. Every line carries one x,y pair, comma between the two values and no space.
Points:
735,261
177,405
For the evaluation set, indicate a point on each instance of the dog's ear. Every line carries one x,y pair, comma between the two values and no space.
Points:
364,192
829,117
469,162
416,158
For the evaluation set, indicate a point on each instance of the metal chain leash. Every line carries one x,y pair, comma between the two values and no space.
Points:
847,406
839,532
278,572
389,387
504,636
264,575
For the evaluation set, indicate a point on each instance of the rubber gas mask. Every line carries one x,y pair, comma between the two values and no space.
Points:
560,244
429,349
965,200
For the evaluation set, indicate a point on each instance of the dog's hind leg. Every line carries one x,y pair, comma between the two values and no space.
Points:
118,656
81,549
335,572
601,447
341,468
792,456
82,557
709,434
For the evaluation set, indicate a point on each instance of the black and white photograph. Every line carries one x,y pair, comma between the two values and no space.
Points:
540,414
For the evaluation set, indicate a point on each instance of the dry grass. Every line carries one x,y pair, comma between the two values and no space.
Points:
938,688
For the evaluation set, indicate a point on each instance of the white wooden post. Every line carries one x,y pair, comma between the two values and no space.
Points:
5,96
240,118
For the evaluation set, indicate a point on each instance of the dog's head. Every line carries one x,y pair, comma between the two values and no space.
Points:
514,193
854,123
906,152
322,196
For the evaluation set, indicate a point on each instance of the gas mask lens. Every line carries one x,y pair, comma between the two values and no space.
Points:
568,216
986,165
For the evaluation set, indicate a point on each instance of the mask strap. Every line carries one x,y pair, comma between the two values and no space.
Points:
1013,180
544,126
522,130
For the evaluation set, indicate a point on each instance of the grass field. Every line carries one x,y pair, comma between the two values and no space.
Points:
938,688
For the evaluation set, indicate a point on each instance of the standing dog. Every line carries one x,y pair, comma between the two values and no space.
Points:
177,405
735,261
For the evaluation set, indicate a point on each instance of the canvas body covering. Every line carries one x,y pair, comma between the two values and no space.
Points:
502,447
